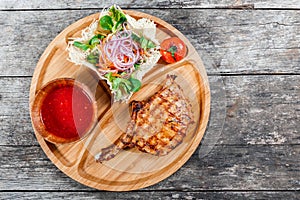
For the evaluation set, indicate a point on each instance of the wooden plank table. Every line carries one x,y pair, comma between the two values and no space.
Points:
254,48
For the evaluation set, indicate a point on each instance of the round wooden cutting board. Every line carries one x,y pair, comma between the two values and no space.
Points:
130,169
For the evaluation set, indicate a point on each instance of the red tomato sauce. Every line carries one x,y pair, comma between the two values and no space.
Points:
67,111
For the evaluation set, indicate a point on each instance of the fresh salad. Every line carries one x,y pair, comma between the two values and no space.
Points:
121,49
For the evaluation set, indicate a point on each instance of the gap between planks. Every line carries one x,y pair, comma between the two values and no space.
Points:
151,190
230,7
216,145
208,74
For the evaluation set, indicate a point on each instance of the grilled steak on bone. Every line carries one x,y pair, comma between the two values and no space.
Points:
157,124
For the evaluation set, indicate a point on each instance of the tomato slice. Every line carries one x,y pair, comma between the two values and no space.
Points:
167,56
173,49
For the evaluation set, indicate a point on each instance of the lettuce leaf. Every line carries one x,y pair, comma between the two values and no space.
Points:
123,87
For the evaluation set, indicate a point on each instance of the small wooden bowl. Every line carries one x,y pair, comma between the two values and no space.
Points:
40,97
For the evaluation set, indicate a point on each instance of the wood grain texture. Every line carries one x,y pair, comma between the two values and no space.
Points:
250,152
157,195
252,156
260,110
230,41
227,167
259,148
88,4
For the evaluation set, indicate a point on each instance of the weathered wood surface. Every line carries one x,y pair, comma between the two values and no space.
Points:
257,52
157,195
90,4
227,167
256,151
235,41
260,110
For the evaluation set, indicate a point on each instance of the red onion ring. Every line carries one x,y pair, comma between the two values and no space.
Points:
120,46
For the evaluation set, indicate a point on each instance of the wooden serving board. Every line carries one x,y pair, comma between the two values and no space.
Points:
130,169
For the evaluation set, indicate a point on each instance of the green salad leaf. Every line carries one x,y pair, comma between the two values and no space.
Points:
123,86
93,58
96,40
109,77
81,46
118,17
116,83
136,84
116,14
136,66
113,22
126,85
91,43
145,43
106,23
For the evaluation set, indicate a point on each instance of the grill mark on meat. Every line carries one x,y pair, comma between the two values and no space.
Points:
157,126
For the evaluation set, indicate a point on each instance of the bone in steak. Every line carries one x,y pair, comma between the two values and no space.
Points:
157,124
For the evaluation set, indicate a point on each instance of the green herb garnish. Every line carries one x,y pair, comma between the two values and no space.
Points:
172,50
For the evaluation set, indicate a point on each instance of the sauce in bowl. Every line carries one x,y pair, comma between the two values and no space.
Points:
63,111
